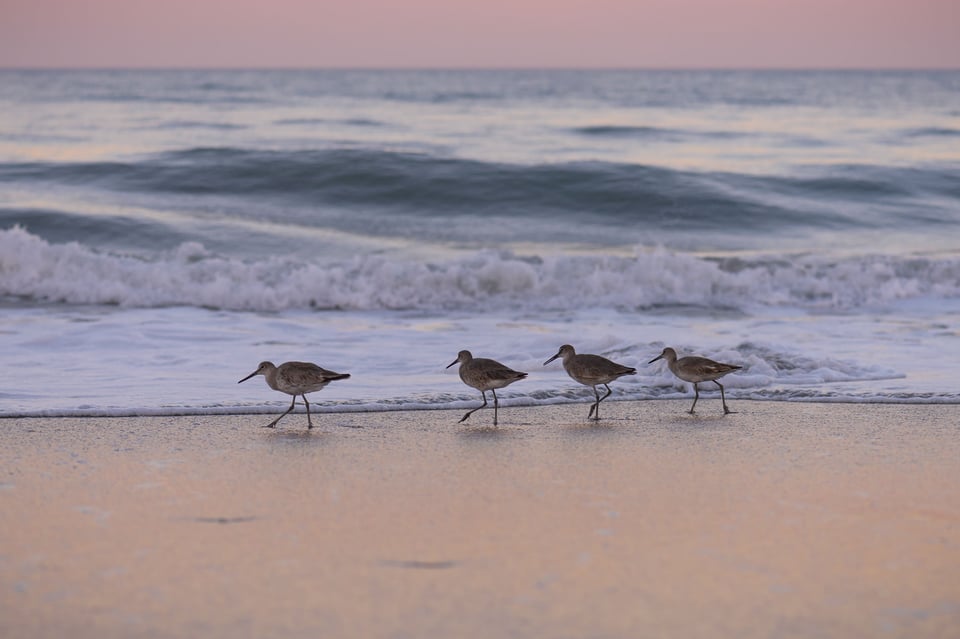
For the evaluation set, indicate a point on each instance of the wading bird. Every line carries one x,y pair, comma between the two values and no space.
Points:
297,379
484,375
696,370
591,370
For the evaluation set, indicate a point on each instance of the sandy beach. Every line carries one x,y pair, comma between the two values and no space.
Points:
783,520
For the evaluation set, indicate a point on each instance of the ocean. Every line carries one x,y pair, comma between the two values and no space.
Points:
163,231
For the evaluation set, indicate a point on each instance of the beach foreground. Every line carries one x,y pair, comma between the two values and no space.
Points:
783,520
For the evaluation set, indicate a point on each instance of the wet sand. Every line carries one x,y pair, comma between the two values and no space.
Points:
783,520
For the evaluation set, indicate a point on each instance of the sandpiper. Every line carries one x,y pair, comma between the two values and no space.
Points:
696,370
297,379
591,370
484,375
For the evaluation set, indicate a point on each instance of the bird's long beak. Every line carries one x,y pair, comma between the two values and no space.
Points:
660,356
453,362
551,359
248,376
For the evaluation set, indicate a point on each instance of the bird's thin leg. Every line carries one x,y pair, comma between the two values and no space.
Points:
496,405
696,396
469,413
309,421
595,407
274,422
605,396
726,411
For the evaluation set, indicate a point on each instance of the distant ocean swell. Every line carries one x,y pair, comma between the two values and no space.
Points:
426,184
34,269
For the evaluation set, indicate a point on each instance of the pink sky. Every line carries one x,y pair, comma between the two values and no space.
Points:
480,33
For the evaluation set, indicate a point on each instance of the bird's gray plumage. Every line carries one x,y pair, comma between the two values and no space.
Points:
297,379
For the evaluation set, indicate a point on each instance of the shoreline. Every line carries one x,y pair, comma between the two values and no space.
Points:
509,403
820,520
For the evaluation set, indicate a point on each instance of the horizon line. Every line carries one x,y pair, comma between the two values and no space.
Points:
665,68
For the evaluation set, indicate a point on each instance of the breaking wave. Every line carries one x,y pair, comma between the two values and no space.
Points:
190,275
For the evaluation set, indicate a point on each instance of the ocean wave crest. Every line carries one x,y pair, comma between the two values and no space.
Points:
190,275
365,181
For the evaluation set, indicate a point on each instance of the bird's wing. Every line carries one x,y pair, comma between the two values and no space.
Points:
707,367
305,373
493,369
601,366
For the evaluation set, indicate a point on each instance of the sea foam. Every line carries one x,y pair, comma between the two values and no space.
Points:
190,275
